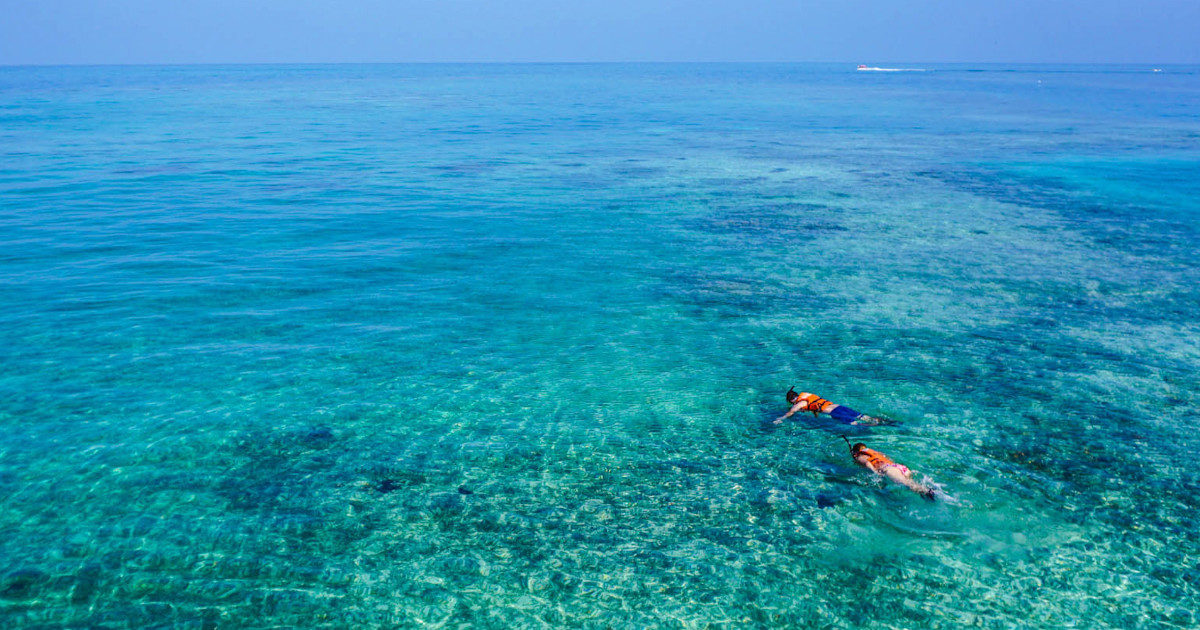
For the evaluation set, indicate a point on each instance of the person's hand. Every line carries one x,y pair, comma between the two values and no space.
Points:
779,420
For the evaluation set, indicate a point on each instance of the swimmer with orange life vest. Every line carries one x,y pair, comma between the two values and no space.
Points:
883,466
816,405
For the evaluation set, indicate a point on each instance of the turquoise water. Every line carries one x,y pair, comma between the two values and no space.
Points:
499,346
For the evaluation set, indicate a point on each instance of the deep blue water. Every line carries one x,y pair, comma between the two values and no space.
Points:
499,346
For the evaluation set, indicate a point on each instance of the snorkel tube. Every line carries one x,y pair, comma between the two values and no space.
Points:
854,448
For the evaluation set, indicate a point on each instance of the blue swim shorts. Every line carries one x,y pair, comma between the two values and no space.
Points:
842,413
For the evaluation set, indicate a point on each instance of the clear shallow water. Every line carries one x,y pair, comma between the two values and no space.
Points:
262,323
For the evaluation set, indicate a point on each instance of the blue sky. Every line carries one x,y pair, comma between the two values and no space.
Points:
869,31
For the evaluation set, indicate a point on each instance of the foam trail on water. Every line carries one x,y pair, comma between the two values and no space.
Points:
877,69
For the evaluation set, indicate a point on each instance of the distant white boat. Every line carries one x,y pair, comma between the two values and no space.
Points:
1158,70
866,68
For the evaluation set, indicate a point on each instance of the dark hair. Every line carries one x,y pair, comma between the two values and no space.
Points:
858,446
791,394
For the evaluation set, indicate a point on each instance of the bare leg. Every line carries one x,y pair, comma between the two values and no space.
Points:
899,477
871,420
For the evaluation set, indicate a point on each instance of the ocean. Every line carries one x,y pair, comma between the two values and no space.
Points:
499,346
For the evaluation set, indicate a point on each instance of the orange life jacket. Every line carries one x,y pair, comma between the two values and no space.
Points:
875,460
816,404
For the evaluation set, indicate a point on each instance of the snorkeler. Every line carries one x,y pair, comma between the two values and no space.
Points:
813,403
881,464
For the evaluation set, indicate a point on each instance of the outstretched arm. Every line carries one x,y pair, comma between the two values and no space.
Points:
799,406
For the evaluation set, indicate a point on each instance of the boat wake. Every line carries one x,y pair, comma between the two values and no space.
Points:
863,68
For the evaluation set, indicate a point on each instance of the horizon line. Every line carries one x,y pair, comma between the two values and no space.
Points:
546,63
